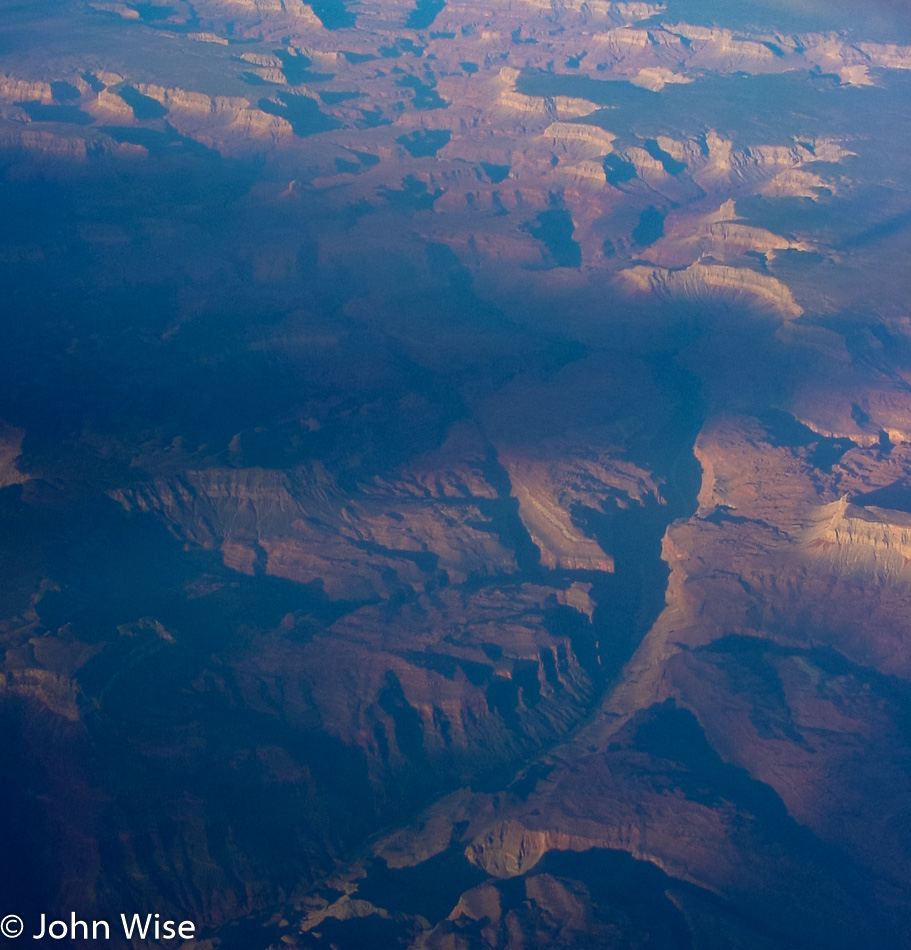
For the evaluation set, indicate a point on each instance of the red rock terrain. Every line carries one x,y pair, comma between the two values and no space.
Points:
455,481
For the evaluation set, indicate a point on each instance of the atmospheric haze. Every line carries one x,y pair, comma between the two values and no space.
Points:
455,473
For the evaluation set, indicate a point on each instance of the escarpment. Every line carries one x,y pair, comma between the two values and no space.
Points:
455,471
304,529
867,541
707,281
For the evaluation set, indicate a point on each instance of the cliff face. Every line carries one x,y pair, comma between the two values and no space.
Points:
430,699
328,110
455,475
303,528
872,542
560,543
703,282
348,650
736,682
718,237
10,449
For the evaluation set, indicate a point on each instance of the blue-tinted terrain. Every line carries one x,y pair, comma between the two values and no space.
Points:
455,472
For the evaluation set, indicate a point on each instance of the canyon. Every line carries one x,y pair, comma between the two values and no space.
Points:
455,472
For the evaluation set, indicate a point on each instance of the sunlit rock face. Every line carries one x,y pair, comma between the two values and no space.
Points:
455,471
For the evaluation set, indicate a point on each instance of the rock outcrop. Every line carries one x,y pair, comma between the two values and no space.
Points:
561,544
366,357
715,281
10,449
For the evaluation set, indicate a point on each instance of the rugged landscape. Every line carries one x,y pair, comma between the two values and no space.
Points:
455,471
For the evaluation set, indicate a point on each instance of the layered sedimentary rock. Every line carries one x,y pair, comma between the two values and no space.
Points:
872,542
549,525
304,529
10,449
702,282
317,90
732,688
367,356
